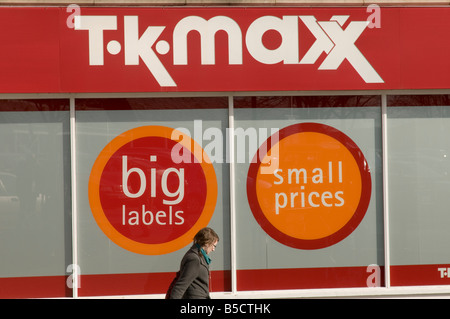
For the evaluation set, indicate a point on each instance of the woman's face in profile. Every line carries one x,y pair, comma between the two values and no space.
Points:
210,247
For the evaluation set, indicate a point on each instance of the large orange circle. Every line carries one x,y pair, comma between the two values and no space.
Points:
94,195
315,191
311,202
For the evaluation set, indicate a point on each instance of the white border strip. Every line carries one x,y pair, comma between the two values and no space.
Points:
384,136
434,292
75,267
232,195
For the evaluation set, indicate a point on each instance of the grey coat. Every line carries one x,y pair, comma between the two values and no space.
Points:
193,282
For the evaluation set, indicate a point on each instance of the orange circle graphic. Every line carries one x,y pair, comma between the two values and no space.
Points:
94,190
308,197
309,186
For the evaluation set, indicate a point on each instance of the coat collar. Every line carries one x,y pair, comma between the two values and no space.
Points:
197,251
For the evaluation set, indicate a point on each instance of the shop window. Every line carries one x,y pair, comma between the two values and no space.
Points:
309,198
419,183
35,200
137,204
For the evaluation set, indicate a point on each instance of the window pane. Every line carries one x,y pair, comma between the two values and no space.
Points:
311,216
35,201
150,198
419,177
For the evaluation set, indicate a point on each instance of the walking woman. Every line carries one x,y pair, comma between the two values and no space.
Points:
192,280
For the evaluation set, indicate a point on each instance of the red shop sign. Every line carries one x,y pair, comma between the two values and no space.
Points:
222,49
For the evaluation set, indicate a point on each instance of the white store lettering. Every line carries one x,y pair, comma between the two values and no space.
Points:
331,38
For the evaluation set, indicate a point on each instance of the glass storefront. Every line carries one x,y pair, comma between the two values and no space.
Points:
418,196
264,263
35,197
300,190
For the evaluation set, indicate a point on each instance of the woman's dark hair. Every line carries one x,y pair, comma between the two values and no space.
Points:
205,236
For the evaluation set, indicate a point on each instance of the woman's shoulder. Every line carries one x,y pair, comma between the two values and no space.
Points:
192,255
